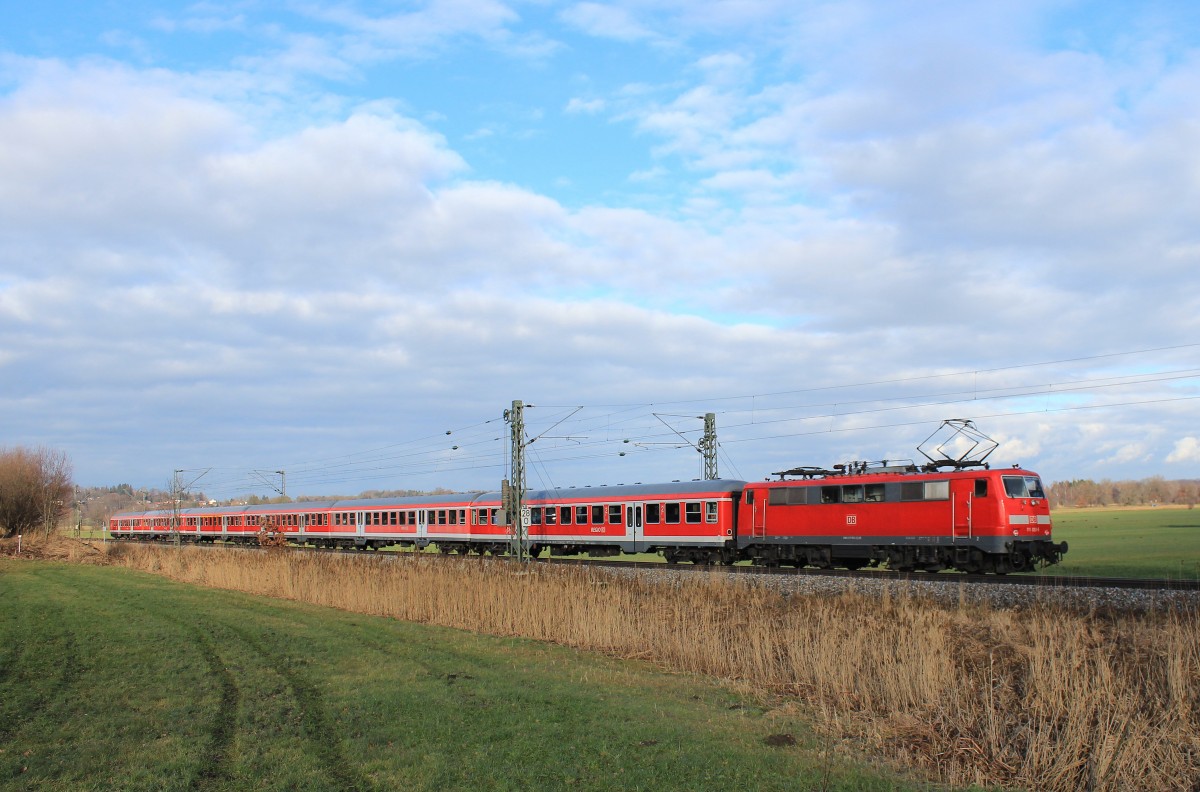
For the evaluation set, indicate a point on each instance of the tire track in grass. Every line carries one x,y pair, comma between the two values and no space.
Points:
318,727
215,773
63,647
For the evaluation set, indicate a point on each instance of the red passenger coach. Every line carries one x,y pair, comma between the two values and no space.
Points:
691,520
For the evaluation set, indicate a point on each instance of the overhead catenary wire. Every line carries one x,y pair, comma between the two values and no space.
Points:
605,430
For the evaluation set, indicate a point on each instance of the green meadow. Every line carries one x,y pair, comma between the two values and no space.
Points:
113,679
1137,543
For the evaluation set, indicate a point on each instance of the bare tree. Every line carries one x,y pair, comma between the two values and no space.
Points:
35,489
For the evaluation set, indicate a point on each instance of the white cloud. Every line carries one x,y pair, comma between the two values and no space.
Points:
579,106
1187,449
605,21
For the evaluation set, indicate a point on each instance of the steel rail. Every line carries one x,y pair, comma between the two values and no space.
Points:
945,577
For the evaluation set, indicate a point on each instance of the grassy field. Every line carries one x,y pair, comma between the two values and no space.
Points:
1138,543
116,679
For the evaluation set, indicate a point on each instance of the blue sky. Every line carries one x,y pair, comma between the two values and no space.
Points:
254,235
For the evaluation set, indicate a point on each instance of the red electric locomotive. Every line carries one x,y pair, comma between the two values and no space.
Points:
976,520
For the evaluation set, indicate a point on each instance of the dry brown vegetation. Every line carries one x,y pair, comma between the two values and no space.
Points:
1037,698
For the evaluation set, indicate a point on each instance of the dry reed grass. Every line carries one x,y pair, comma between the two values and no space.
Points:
1038,698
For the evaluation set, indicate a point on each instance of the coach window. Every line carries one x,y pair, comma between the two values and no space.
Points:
874,494
564,515
653,512
453,515
462,516
597,515
614,514
581,515
692,511
831,494
441,517
852,493
535,515
980,488
672,512
551,515
710,511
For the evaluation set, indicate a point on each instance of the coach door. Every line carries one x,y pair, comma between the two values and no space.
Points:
634,515
360,523
961,506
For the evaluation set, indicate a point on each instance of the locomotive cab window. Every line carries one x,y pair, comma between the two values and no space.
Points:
980,488
1023,487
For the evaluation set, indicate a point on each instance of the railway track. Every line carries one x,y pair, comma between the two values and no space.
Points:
944,578
1045,581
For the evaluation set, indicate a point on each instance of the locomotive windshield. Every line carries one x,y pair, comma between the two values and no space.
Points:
1023,487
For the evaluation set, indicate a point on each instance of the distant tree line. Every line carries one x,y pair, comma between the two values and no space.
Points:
1145,492
36,491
